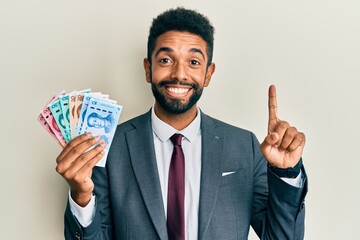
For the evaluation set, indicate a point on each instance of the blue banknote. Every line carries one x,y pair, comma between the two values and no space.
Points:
82,113
85,103
101,119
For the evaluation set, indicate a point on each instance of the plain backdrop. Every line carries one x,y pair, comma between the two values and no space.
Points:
309,49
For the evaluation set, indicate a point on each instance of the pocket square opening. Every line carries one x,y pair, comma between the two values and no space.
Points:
227,173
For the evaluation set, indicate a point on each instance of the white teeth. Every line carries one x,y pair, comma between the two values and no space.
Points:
178,90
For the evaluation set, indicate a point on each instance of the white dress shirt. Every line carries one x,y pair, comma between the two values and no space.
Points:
191,144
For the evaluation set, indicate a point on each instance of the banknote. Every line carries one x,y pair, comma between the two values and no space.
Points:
85,103
73,120
73,109
47,121
46,126
55,108
49,118
78,105
64,103
101,119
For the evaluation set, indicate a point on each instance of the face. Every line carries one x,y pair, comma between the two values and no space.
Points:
178,72
96,122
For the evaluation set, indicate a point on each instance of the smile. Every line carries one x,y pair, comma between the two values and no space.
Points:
177,90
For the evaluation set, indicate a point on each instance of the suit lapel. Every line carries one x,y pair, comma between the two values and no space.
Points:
211,167
142,154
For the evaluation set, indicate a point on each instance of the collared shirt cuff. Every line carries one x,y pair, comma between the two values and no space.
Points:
295,182
84,215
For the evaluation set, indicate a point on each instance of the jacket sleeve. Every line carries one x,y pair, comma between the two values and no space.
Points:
101,226
278,208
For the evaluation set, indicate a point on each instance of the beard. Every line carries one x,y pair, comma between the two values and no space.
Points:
176,106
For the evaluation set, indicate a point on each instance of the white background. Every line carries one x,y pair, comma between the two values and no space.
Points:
310,49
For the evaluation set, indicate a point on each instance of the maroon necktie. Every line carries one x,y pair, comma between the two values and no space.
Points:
176,192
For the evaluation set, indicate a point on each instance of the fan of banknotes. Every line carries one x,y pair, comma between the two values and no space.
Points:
66,116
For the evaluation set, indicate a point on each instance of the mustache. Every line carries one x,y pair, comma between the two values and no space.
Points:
177,82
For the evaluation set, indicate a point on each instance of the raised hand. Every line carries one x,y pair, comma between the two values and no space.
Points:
284,144
75,163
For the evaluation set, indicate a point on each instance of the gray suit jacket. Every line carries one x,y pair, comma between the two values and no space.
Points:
129,203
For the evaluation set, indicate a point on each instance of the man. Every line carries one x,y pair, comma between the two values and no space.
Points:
224,184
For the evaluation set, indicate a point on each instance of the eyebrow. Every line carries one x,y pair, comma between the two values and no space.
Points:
167,49
163,49
197,50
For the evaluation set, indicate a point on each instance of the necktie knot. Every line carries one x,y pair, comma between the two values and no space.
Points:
176,139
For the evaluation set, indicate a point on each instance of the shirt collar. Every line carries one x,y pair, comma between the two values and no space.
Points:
164,131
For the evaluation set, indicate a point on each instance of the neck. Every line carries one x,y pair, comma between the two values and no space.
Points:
177,121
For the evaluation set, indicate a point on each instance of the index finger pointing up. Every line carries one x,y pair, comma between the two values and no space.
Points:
273,110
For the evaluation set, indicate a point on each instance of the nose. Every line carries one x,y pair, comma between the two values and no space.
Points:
179,72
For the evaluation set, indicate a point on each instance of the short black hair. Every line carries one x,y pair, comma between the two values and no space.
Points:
182,20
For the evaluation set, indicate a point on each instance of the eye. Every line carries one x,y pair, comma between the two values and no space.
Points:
165,60
194,62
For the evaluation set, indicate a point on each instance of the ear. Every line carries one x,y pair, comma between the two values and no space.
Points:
147,68
209,72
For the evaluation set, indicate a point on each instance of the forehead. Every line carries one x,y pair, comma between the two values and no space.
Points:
180,41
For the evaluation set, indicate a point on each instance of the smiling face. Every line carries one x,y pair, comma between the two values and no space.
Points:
178,71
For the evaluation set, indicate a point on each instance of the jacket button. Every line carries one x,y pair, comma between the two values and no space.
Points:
77,235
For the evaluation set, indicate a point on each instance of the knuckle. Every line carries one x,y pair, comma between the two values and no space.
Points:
77,178
93,140
99,148
81,137
304,138
74,151
82,158
71,144
59,169
290,135
67,175
272,106
281,125
98,156
294,130
291,148
90,164
301,137
285,124
283,145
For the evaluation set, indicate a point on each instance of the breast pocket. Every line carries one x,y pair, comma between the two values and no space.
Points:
234,176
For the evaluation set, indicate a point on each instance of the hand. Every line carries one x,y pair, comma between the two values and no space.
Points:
283,146
75,164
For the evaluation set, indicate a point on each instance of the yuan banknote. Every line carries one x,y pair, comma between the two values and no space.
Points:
101,119
64,103
49,118
55,108
85,104
78,106
74,106
73,120
46,125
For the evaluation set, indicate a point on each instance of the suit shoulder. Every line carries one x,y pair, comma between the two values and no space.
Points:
133,122
229,130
